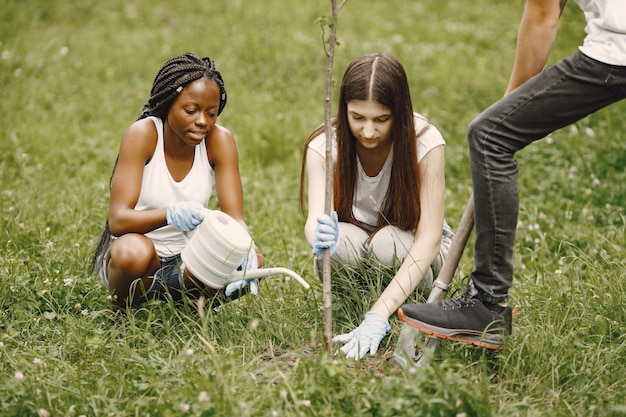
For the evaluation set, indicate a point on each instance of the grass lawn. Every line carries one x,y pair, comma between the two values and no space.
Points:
74,74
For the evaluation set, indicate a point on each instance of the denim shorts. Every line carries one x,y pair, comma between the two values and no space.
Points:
167,280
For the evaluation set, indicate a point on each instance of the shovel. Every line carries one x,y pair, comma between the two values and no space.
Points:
415,349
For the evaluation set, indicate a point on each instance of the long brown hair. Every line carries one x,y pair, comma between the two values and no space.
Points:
382,78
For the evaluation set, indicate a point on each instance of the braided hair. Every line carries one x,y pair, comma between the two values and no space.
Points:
176,74
173,76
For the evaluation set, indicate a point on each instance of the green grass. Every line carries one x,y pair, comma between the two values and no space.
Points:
74,75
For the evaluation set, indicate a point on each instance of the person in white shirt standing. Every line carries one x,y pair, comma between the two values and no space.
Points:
538,101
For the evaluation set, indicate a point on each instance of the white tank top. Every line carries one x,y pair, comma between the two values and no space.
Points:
606,30
158,189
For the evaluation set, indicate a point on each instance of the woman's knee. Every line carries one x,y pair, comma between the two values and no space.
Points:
133,255
390,245
350,248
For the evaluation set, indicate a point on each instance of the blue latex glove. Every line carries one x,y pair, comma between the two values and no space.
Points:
326,234
250,262
366,337
185,215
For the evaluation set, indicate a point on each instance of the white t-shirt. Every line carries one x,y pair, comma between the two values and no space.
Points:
158,189
371,191
606,30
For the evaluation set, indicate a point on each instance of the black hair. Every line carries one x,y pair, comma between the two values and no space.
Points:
173,76
176,74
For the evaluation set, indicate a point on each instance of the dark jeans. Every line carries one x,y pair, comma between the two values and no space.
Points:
557,97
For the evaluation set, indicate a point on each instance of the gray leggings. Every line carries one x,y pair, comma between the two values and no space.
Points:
389,246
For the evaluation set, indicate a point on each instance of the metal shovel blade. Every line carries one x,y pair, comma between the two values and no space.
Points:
414,348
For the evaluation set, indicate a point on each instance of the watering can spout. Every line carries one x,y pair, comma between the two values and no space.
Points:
264,272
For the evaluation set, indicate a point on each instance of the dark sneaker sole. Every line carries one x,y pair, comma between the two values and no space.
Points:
476,338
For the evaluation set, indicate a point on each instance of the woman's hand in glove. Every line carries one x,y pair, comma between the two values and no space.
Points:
366,337
185,215
326,234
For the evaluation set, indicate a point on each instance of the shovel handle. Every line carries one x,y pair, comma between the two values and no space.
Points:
451,263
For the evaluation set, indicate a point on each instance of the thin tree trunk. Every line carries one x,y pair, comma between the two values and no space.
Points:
326,283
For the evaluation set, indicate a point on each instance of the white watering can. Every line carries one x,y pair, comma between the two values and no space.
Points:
216,249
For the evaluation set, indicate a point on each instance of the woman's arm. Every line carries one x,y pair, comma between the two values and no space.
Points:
316,177
427,235
222,152
136,149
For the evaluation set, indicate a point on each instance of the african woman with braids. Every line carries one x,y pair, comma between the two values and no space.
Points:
388,191
168,162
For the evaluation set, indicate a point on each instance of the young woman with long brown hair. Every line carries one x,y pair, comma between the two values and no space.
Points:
388,190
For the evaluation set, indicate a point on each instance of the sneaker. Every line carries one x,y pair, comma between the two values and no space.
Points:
465,319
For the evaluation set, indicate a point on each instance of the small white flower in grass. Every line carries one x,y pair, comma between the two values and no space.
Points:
558,272
64,50
274,413
306,403
184,407
589,132
68,282
254,324
6,54
203,396
1,345
20,225
84,312
283,394
549,139
189,352
412,371
77,306
19,376
42,412
38,362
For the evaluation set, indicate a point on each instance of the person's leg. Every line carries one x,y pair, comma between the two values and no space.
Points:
390,246
350,249
130,258
559,96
